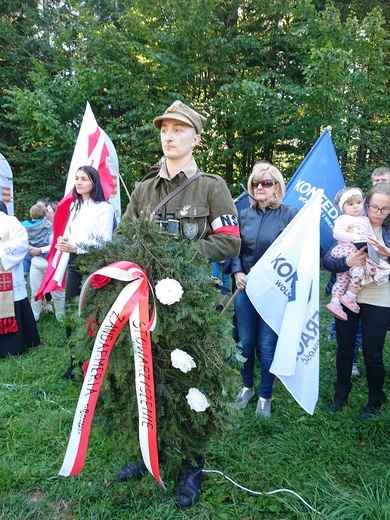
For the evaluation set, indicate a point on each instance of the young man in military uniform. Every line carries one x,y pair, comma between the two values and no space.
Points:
204,208
207,216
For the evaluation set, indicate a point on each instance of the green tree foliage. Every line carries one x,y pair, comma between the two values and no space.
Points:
270,76
347,85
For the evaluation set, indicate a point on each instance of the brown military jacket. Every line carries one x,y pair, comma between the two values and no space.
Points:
205,210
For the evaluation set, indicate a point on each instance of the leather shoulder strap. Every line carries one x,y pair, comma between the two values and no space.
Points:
177,190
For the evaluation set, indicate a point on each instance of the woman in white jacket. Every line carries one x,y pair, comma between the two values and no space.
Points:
90,223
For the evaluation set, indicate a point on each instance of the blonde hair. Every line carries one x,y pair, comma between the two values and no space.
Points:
258,170
37,212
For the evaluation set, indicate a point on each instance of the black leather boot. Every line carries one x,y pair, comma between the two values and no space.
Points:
188,490
69,371
373,406
131,471
341,397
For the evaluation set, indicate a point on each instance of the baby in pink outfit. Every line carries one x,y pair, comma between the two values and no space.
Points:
350,228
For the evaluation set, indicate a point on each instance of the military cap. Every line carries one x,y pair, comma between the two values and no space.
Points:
183,113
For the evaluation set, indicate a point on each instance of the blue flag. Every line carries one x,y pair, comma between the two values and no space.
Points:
320,169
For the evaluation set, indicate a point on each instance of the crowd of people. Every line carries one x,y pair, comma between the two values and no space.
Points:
90,222
207,216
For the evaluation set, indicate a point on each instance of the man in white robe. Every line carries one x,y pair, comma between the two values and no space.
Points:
13,248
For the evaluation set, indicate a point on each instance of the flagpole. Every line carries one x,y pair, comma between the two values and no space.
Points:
230,301
120,177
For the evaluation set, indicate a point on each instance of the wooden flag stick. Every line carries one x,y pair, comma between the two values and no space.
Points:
230,301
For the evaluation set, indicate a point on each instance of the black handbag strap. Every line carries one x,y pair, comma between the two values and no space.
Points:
176,191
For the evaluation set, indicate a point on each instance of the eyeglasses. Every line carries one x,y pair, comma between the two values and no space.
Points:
266,183
375,209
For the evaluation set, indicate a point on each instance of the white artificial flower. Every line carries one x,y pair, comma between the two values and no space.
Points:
197,400
168,291
182,360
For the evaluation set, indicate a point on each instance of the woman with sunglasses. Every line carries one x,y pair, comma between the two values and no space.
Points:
374,313
260,225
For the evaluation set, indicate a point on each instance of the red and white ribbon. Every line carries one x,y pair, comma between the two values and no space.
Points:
131,306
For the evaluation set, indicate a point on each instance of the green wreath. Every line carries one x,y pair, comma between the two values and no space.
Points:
191,325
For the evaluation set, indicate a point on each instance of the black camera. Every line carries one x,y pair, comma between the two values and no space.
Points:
170,225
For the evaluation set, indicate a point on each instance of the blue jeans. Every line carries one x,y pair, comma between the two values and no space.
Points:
217,272
256,339
27,263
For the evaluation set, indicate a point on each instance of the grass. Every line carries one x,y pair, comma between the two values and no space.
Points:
339,466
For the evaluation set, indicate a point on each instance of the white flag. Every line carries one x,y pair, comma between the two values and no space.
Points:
283,286
6,185
95,148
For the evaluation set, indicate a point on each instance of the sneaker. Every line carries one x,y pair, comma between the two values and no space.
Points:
263,408
48,307
337,310
244,397
355,371
350,303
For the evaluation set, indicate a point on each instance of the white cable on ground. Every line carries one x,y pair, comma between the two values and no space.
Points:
9,385
50,401
13,386
260,492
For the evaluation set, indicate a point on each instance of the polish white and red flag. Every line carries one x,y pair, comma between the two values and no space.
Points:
93,148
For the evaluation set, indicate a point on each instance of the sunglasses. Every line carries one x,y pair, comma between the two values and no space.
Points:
267,183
